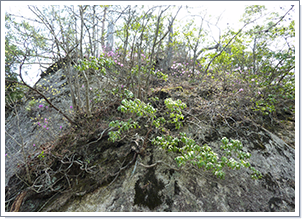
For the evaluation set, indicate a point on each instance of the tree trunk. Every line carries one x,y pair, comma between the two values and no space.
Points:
170,48
81,51
103,29
110,36
76,73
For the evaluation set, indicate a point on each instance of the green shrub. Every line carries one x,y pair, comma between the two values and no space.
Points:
200,156
204,157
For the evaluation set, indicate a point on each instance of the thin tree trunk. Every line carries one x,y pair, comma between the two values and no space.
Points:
85,77
170,49
76,73
94,32
67,71
87,95
102,31
254,55
28,177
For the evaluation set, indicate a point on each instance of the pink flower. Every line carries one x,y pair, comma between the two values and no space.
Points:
259,92
70,107
240,90
121,64
34,145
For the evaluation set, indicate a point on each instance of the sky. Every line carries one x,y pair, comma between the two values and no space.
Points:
230,11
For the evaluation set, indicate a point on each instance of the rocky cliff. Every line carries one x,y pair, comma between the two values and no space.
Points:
155,184
77,169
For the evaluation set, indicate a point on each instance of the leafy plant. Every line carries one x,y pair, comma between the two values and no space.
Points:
122,127
96,63
41,155
32,40
31,104
142,109
204,157
175,108
201,156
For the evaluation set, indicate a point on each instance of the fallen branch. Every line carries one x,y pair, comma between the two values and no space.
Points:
46,99
18,201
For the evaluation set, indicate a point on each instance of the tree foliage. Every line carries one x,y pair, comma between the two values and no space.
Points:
21,40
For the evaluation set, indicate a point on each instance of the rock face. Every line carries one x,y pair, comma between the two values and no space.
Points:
121,181
32,133
162,188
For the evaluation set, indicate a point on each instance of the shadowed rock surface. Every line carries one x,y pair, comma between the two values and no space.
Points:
164,189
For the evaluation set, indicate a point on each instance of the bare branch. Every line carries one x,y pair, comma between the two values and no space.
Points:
265,31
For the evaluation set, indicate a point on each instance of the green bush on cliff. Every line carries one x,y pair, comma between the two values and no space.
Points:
200,156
